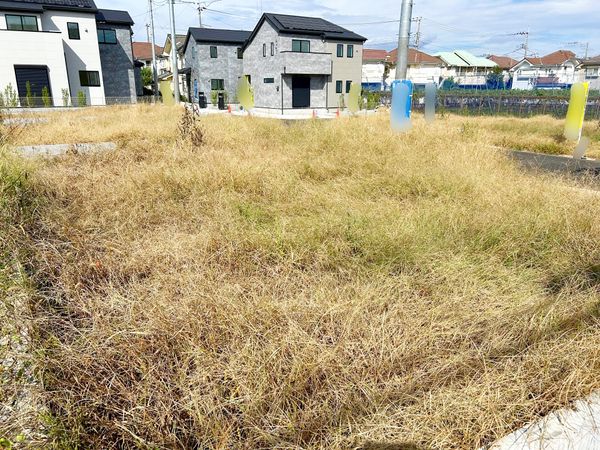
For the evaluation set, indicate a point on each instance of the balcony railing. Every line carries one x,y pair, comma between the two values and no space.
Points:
297,63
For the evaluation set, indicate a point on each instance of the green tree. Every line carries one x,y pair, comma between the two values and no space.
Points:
495,79
147,78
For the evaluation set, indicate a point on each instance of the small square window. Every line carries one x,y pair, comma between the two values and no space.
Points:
240,53
73,29
213,51
264,50
338,87
272,48
350,52
348,86
340,50
269,80
217,85
89,78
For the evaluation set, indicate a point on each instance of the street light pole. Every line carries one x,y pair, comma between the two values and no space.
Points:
154,66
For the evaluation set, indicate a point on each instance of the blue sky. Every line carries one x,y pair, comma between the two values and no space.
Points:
482,26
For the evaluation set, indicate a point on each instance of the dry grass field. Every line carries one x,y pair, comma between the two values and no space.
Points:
300,285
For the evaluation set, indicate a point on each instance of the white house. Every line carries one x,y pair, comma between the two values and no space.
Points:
422,68
373,69
58,47
553,71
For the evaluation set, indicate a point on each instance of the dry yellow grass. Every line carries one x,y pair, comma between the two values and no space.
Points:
307,285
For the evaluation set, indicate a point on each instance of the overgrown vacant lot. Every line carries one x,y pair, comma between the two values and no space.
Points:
305,285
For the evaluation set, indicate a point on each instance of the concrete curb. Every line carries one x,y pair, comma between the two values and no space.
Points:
555,163
61,149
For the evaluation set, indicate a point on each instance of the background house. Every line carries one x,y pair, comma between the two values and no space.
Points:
422,68
213,60
589,71
68,49
373,69
301,62
465,69
142,51
52,44
553,71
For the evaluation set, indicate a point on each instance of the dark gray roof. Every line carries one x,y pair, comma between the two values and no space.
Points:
69,5
114,16
217,36
20,6
287,24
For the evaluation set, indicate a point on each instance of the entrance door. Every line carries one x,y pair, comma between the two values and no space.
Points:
300,91
37,77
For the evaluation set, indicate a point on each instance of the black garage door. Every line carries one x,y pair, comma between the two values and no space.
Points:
37,76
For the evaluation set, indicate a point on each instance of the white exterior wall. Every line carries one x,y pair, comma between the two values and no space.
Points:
372,72
420,74
23,48
39,49
82,54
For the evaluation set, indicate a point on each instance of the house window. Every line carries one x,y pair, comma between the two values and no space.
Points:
213,51
269,80
107,36
350,52
73,29
249,78
89,78
591,73
272,48
217,85
300,46
240,53
340,50
338,87
21,23
348,86
264,50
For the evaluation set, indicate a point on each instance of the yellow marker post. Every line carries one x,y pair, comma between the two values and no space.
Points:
245,95
576,112
354,98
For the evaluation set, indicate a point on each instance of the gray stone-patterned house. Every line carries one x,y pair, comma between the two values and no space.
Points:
116,56
301,62
213,61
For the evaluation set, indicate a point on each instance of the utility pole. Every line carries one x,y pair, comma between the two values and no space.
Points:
524,46
418,33
200,9
154,67
404,39
175,69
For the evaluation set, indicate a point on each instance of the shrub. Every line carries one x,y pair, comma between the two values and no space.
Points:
81,99
46,97
11,98
28,95
66,97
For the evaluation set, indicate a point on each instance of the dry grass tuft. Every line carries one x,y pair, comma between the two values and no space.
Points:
313,285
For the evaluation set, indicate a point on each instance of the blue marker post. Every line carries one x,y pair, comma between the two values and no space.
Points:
402,91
